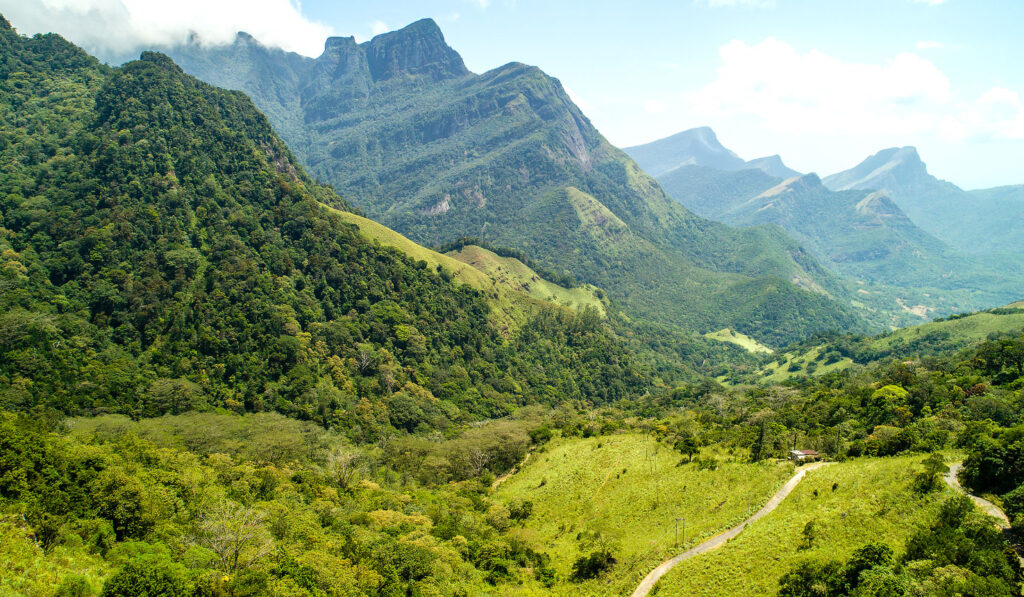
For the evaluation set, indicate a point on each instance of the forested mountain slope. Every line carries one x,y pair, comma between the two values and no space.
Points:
405,132
162,251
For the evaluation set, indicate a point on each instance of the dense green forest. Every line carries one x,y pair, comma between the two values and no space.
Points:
163,253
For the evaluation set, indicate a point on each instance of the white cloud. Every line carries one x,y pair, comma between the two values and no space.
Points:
117,26
654,107
378,27
813,92
929,45
997,114
483,4
794,93
729,3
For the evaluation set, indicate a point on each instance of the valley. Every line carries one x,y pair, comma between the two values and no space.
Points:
371,323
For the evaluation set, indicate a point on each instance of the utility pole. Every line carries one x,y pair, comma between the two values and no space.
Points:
677,530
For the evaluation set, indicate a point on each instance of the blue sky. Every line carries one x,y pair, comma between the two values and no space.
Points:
824,83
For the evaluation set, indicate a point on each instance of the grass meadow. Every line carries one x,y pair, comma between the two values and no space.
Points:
872,500
624,492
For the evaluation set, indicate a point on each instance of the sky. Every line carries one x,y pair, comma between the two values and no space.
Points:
823,83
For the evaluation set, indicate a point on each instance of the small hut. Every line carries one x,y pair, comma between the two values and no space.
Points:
801,456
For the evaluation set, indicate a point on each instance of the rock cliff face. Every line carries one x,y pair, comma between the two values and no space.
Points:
417,50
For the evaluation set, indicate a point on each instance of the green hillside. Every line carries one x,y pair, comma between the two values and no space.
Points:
513,291
983,223
622,493
514,274
850,504
859,233
437,153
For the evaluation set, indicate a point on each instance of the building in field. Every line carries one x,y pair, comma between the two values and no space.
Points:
800,456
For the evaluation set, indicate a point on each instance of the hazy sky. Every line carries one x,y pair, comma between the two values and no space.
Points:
824,83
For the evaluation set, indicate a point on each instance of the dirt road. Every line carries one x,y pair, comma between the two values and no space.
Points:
1002,521
718,540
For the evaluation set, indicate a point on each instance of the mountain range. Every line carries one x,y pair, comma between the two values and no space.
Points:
854,222
700,147
402,130
982,222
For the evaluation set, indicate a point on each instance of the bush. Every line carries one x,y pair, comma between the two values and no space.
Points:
520,510
148,578
593,565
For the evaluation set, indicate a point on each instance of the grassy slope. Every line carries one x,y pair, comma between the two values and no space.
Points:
873,502
773,372
742,340
586,494
966,330
514,274
504,282
388,237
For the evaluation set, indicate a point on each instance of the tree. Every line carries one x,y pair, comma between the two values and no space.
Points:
148,577
591,566
927,480
810,534
688,447
235,533
811,579
343,465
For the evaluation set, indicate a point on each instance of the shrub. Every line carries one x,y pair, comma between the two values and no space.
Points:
593,565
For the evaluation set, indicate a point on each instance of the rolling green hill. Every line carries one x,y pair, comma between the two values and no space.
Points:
513,291
436,152
850,504
984,222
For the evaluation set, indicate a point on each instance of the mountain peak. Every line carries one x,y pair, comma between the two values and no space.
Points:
5,25
894,170
340,42
418,49
693,147
899,155
773,165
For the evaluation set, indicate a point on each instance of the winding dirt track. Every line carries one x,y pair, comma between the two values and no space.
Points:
718,540
1002,520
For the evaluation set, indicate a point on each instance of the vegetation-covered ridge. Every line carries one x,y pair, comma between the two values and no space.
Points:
163,252
943,336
